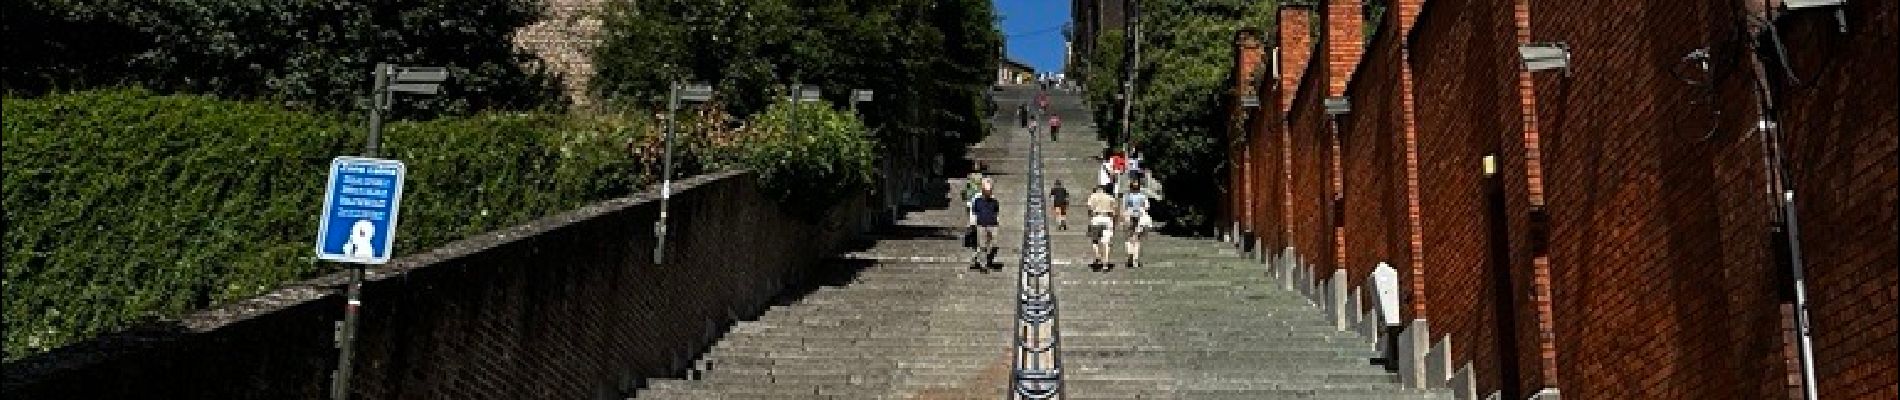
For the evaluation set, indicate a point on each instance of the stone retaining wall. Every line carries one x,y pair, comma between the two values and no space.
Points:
570,306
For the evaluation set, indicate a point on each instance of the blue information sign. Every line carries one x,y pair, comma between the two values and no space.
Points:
359,210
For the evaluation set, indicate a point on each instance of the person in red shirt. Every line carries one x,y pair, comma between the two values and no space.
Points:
1118,165
1055,127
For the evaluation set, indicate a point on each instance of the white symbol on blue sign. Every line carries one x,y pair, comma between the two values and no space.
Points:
360,207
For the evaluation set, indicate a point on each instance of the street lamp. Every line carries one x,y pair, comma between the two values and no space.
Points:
677,92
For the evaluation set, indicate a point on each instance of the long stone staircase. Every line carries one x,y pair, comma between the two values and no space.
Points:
909,317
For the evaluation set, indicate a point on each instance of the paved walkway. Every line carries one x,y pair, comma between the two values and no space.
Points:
910,318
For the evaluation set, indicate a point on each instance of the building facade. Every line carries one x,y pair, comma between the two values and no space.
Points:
1627,226
1088,19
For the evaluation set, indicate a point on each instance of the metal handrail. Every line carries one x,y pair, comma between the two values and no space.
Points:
1037,305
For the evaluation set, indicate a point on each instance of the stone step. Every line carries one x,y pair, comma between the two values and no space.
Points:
1085,391
844,360
1224,385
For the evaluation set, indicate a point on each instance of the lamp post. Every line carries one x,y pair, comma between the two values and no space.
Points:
676,93
389,79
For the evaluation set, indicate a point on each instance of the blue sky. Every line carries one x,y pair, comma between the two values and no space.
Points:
1033,30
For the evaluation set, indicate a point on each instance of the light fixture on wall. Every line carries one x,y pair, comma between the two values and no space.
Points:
1250,101
1805,4
1338,105
1545,55
1840,11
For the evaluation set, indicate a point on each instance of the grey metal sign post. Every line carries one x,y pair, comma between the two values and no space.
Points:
677,93
389,79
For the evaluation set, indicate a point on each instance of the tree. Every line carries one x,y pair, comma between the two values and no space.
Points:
310,53
1180,78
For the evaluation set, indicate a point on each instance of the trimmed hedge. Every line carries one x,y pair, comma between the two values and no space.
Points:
312,53
123,206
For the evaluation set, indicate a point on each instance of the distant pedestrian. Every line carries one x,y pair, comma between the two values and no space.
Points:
1105,173
1022,115
1055,126
984,215
1135,173
1059,198
1118,167
1101,223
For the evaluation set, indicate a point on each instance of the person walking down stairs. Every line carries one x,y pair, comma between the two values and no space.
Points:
984,212
1059,201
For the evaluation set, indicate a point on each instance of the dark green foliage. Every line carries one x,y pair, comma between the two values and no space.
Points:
314,53
1104,81
929,61
121,205
1181,84
809,157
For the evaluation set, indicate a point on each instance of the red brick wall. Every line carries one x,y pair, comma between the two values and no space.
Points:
1659,237
1842,135
1659,279
1306,135
1264,161
1465,97
1373,161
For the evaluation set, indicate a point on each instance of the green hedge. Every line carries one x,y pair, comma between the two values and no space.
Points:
809,157
124,206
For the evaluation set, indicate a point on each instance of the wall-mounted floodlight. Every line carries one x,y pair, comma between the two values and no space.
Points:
1804,4
1250,101
1338,105
1840,13
1545,55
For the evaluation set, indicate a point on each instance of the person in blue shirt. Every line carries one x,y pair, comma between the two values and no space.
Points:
984,213
1135,211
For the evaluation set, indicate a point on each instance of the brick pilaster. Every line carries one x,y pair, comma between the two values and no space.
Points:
1345,45
1414,228
1546,369
1296,49
1345,42
1407,12
1252,51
